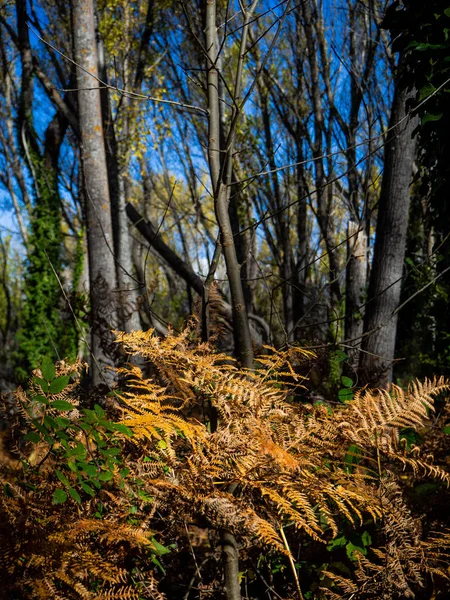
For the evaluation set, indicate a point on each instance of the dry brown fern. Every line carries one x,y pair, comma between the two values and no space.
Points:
270,462
288,462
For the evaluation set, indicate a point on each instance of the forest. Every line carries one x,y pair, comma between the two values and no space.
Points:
224,299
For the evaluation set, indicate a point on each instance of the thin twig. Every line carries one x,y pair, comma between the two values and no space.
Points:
292,563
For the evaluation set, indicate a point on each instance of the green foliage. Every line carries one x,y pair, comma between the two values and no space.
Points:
355,543
10,298
346,393
41,328
86,448
75,317
336,358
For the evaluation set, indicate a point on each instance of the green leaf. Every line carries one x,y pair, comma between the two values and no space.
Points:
366,538
427,46
111,462
87,489
158,564
79,451
99,410
61,404
122,429
32,436
345,395
111,452
50,423
340,356
162,444
426,91
346,381
91,470
42,383
41,399
446,429
430,117
59,497
106,476
48,369
353,457
410,437
63,479
159,548
426,489
447,12
61,434
144,496
39,427
351,548
58,384
75,495
8,491
90,414
337,543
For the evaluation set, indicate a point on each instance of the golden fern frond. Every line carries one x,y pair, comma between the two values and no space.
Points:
148,411
371,412
373,420
282,365
112,533
92,563
346,586
302,516
268,534
403,559
82,591
125,593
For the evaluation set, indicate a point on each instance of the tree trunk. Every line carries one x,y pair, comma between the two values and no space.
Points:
102,272
380,323
221,175
119,190
355,288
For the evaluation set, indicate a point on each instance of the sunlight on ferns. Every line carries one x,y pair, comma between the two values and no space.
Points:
202,441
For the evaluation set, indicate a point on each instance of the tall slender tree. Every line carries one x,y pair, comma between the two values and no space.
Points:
102,271
380,323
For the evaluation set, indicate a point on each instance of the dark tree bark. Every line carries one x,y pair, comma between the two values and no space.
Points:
102,272
380,323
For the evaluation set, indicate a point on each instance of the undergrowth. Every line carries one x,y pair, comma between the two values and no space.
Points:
110,501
